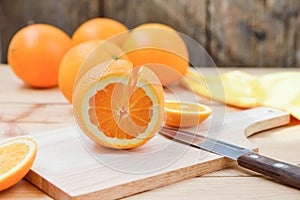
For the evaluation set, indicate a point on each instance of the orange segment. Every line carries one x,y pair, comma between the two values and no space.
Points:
119,107
16,158
185,114
140,107
102,112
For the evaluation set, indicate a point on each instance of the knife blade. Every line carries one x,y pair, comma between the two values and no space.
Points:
282,172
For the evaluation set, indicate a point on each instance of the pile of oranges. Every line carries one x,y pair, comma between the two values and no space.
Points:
44,56
113,77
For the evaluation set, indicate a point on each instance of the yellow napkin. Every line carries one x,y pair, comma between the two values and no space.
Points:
237,88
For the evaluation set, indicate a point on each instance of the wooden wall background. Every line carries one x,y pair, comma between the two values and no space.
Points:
259,33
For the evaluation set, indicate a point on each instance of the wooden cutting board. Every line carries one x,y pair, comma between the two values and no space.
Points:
70,166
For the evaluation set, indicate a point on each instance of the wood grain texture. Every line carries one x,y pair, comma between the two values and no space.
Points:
13,90
22,119
25,191
254,33
280,171
122,173
257,33
281,143
215,188
67,178
188,17
25,110
236,33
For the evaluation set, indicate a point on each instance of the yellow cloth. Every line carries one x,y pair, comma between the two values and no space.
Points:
237,88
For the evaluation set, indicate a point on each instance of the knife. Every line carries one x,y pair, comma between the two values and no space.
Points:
280,171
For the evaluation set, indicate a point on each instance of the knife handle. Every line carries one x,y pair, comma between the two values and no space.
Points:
283,172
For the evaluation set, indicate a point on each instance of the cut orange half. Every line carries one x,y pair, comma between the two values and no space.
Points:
117,106
185,114
16,158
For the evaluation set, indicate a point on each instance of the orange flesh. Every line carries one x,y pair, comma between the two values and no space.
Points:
122,119
11,156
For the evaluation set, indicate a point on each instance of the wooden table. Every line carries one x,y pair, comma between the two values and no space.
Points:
24,110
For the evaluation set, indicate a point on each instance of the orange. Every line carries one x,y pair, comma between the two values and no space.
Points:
160,48
185,114
118,107
35,52
17,156
85,55
99,28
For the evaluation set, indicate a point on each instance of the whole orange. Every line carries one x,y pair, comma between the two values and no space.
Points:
100,28
80,59
160,48
35,52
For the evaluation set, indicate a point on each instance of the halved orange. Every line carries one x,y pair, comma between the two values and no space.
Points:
16,158
118,106
185,114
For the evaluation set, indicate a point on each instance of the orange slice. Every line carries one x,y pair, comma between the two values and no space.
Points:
16,158
185,114
117,106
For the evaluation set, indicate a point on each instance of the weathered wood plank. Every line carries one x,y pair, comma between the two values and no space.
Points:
188,17
254,32
64,14
236,33
284,14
